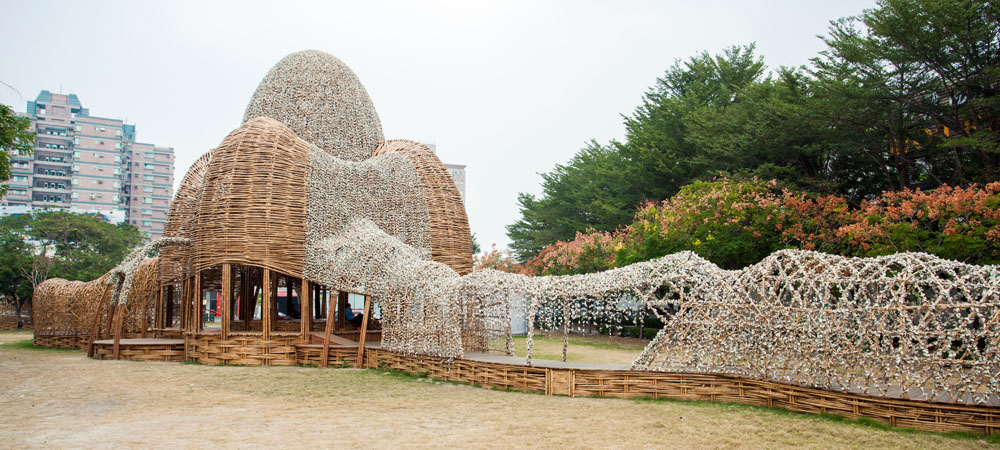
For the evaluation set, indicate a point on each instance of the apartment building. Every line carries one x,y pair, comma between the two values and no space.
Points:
90,164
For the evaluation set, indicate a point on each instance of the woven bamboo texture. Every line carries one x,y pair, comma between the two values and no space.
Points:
8,317
77,341
939,417
312,354
253,207
141,352
181,222
451,240
66,312
246,350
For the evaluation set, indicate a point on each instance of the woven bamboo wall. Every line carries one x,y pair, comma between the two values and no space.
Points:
141,352
181,222
253,207
8,317
451,240
241,350
65,310
140,309
920,415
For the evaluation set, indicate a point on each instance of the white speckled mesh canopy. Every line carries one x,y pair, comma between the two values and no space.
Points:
322,101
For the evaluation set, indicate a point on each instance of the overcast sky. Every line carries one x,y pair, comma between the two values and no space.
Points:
508,88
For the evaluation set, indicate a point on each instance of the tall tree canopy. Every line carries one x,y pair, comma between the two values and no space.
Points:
904,96
15,139
67,245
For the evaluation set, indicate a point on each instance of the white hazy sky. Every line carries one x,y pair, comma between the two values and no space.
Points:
508,88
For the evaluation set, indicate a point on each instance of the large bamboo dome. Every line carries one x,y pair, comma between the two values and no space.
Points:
309,158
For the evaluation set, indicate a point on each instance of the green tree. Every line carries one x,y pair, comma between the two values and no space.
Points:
592,191
15,263
911,88
85,247
15,139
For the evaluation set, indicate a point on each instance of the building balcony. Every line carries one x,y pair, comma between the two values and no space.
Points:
43,176
51,190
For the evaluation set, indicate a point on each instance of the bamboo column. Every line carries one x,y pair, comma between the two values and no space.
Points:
118,329
184,302
144,321
364,330
196,302
325,357
97,321
265,307
305,309
227,295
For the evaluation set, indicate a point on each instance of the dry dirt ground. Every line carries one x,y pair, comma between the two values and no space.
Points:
51,398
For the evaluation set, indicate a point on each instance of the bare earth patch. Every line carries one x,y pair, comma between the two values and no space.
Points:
64,399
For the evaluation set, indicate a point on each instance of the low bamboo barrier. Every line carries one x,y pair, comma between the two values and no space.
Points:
921,415
244,350
141,352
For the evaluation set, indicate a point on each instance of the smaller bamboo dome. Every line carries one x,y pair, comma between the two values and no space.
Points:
69,313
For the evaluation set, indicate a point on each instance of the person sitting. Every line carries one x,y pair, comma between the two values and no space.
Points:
353,318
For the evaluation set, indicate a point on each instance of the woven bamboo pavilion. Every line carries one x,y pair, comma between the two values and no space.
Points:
305,214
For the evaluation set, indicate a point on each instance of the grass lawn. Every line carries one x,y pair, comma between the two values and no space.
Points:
64,399
582,348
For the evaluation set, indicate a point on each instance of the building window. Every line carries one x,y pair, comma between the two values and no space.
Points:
118,159
76,182
118,170
76,154
116,197
147,212
76,167
78,128
149,155
76,141
147,177
149,166
147,200
116,184
118,145
118,133
147,189
75,195
147,223
20,178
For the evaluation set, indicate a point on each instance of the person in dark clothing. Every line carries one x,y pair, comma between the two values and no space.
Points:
353,318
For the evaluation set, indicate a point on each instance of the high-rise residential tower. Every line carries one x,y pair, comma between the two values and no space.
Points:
90,164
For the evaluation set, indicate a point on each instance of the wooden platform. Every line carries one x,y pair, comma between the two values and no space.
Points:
141,349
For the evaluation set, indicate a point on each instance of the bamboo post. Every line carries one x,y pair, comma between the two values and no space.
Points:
118,329
185,306
144,321
97,321
364,330
305,309
227,295
265,307
196,302
325,357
